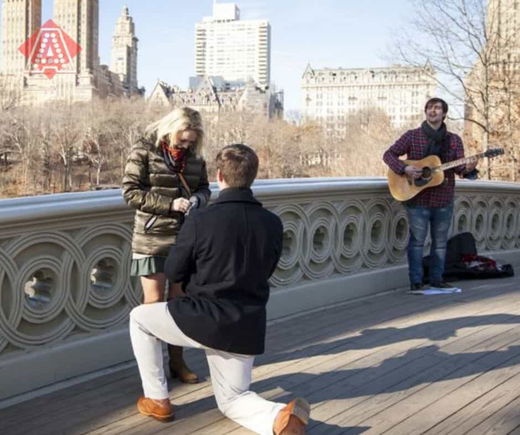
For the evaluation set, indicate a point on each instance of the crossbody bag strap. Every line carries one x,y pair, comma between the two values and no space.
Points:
184,183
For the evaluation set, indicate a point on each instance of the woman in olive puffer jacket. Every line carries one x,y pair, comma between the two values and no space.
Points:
164,177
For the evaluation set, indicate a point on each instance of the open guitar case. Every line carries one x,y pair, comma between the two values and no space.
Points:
463,261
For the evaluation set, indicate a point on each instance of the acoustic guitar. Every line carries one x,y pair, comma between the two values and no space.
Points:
404,188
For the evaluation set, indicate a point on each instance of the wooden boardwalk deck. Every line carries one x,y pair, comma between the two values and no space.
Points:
395,363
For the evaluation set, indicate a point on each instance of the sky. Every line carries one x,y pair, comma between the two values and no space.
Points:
324,33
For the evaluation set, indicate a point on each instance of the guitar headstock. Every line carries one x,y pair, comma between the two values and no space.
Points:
493,152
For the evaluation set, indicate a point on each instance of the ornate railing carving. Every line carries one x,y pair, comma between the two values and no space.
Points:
64,259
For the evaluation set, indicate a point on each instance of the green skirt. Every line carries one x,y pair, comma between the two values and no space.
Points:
147,266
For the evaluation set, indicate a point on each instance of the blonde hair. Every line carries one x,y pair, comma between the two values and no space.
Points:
176,121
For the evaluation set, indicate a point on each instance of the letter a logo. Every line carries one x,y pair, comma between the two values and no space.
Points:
49,50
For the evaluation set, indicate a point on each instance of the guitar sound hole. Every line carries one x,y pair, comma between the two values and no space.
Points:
426,173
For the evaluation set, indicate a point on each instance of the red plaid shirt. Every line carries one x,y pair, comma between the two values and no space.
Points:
414,144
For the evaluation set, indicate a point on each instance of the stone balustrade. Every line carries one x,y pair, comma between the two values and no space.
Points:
65,288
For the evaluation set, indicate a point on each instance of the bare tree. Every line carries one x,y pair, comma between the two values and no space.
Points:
9,95
370,132
21,137
67,131
470,47
81,146
125,122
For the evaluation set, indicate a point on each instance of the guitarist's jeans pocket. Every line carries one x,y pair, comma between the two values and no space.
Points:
438,221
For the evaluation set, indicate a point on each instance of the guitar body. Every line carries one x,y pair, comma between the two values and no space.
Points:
404,188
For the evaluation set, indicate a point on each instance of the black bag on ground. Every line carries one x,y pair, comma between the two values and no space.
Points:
462,261
459,245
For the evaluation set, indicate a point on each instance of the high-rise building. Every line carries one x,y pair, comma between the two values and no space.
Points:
330,96
80,20
503,19
124,51
494,77
492,91
235,49
82,77
20,19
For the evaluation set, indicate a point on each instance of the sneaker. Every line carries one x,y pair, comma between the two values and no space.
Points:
441,284
414,287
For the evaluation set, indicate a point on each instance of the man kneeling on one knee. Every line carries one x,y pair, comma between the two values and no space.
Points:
223,258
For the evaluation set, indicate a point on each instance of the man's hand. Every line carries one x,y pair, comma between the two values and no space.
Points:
413,172
472,164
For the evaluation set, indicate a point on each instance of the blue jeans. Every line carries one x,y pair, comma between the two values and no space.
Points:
439,220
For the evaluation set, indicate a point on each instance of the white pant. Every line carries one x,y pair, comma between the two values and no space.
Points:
230,372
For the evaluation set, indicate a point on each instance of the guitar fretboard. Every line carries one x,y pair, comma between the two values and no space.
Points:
458,162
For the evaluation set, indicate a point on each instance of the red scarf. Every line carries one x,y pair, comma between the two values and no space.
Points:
177,155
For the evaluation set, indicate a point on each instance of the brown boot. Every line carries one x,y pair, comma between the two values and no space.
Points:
293,418
161,410
178,368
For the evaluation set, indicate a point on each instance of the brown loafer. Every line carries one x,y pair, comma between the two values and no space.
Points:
293,418
155,409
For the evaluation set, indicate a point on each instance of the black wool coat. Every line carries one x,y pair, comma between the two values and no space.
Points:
224,256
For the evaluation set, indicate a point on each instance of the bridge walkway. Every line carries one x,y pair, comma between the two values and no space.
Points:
395,363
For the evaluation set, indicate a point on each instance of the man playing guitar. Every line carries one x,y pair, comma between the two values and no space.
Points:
433,206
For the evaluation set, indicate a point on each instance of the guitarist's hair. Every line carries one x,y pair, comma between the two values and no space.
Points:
437,100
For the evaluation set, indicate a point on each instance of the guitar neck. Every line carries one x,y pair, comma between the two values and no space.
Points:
462,161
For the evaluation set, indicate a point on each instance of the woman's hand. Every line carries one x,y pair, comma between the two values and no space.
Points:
181,204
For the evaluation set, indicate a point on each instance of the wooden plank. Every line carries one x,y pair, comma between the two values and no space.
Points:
198,419
457,399
306,361
504,421
330,382
376,388
445,328
470,367
487,396
295,347
221,427
351,417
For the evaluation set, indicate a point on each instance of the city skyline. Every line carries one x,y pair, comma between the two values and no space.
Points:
58,59
331,34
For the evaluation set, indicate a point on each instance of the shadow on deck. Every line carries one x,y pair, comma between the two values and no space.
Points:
394,363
